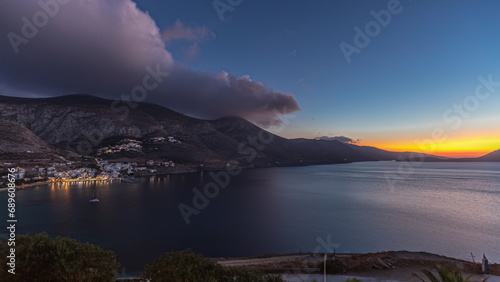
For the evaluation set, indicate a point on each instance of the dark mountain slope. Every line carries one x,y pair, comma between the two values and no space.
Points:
72,121
16,141
491,157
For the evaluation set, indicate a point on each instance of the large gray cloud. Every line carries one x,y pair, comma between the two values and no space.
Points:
104,47
235,96
94,47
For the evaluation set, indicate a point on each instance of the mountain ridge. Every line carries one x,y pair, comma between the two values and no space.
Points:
67,122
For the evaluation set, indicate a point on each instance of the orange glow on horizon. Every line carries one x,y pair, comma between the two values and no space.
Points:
462,148
470,144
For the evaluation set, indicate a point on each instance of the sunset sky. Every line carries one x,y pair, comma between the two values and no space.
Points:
427,80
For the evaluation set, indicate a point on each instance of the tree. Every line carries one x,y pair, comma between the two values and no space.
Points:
41,258
188,266
446,274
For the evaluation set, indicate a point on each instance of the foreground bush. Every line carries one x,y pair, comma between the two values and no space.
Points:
445,274
333,266
41,258
187,266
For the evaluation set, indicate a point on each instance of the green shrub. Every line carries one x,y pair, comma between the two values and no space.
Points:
188,266
445,274
41,258
333,266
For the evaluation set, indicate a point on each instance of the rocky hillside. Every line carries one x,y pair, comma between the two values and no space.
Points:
84,123
16,141
491,157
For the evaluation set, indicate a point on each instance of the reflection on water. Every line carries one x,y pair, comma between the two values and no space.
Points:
447,208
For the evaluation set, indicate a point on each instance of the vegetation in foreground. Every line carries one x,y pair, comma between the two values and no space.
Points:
445,274
187,266
41,258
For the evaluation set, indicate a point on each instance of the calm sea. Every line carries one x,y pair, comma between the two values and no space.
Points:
446,208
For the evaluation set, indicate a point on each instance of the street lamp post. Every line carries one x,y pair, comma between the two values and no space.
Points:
324,269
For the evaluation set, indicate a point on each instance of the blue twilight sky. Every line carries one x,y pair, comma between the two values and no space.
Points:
423,62
394,92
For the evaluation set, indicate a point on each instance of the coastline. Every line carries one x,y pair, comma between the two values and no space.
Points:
380,266
131,178
398,265
183,170
62,181
194,173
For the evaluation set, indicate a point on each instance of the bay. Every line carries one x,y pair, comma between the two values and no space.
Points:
451,209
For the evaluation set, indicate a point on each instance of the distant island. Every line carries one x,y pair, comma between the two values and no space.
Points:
86,137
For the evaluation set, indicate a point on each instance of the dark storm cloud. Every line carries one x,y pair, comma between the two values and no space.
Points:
342,139
55,47
234,96
92,47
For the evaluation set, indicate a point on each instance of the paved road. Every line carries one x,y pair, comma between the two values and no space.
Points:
342,278
329,278
270,260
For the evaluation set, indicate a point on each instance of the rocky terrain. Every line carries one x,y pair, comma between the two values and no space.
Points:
74,125
18,142
394,266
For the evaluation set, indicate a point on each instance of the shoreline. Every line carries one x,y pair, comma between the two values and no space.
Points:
246,261
182,170
119,179
387,265
399,253
62,181
378,266
188,171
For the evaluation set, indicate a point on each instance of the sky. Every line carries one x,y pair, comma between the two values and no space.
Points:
403,75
